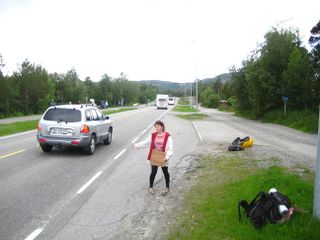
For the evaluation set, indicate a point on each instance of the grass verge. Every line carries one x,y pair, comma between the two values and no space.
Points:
183,101
305,121
210,207
195,116
17,127
183,108
12,128
117,110
301,120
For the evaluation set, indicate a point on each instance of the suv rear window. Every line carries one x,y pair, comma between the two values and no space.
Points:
63,115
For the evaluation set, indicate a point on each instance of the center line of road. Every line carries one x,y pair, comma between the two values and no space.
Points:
120,153
89,182
10,154
134,140
35,233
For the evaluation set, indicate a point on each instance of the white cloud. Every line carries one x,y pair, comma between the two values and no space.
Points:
173,40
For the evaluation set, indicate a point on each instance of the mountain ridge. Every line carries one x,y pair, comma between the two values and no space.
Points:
175,86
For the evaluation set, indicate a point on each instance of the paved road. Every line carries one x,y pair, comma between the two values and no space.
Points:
40,196
293,146
42,193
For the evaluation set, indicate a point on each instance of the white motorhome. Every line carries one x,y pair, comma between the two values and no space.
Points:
162,101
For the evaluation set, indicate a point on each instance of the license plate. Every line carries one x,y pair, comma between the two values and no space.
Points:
59,131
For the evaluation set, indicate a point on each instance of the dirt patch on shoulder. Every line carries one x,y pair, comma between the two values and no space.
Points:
159,216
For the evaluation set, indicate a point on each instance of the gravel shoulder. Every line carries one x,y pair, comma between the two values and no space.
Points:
292,149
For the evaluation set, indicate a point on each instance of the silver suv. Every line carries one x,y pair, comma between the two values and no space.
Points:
74,125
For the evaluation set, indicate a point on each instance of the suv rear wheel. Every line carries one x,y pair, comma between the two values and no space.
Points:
92,146
46,148
108,140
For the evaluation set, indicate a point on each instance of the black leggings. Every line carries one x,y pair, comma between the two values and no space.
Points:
153,173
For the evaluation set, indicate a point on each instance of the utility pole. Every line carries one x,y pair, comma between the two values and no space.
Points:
197,95
191,96
316,199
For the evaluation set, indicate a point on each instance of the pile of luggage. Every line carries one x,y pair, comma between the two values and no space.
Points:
240,144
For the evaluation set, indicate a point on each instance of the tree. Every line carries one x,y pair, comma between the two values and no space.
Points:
217,86
263,79
34,87
240,87
105,88
8,96
314,41
1,64
274,59
297,80
208,98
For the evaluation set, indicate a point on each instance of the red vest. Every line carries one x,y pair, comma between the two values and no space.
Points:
153,137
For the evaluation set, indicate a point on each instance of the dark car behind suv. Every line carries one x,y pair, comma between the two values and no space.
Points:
80,125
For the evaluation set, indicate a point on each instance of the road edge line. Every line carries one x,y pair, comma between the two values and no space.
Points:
198,133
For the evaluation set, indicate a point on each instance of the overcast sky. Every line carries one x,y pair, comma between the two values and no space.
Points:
171,40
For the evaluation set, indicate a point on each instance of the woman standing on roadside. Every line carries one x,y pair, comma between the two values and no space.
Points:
161,140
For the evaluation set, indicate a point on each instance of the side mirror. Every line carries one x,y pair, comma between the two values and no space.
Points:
106,117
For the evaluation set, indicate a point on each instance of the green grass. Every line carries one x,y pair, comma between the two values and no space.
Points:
303,120
183,101
117,110
210,207
184,108
195,116
11,128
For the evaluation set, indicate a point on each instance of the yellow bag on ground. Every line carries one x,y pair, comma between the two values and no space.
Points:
246,142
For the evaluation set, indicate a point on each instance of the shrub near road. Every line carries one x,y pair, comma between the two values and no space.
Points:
210,207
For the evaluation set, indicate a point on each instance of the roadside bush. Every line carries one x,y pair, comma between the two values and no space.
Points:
302,120
213,101
232,101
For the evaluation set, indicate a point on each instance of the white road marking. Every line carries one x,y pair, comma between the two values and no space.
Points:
199,135
35,233
119,154
134,140
89,182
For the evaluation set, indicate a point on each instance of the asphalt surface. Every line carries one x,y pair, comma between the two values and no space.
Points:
40,196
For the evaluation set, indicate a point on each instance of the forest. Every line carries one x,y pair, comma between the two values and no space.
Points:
280,69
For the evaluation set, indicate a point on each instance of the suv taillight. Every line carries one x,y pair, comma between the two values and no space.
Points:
85,129
39,127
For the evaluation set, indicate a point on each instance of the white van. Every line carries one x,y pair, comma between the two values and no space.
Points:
171,101
162,101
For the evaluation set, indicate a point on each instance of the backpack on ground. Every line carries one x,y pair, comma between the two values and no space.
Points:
266,208
235,145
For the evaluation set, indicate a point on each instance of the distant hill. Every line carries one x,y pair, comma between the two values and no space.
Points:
223,78
174,86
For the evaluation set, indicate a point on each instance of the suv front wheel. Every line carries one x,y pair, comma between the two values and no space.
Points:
92,146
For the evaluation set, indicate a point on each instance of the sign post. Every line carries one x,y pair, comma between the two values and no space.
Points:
285,100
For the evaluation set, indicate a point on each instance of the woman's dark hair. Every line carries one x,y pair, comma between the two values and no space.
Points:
161,124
